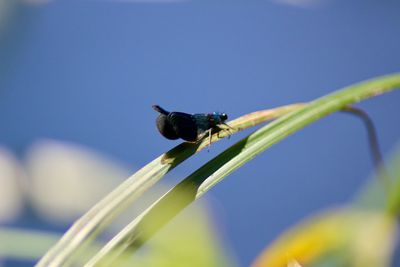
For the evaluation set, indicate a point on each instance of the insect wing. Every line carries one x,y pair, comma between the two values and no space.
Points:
184,125
203,123
165,127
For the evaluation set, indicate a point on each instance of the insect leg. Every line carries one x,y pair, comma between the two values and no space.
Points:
228,128
209,140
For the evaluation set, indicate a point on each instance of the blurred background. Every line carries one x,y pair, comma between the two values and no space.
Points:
78,78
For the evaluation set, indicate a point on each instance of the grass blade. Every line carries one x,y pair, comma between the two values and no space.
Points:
199,182
100,216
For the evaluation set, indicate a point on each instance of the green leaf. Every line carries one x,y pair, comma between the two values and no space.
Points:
199,182
25,244
101,215
345,237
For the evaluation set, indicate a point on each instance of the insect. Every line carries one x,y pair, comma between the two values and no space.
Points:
189,127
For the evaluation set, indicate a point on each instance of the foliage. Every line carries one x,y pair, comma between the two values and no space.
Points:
335,237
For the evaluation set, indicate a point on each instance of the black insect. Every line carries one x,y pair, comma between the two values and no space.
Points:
189,127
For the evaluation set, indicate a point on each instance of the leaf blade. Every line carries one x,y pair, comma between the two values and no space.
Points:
207,176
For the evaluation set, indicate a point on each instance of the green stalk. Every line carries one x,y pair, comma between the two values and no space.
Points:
102,214
199,182
25,244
